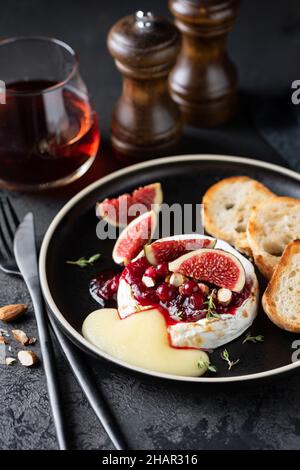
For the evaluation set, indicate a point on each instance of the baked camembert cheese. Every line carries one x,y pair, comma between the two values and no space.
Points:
181,296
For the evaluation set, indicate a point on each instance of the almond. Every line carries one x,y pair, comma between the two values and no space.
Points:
177,279
148,281
224,296
12,312
21,336
27,358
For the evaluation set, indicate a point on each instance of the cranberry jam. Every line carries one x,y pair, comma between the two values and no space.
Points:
104,287
185,303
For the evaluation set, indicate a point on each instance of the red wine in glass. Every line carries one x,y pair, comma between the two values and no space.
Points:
48,132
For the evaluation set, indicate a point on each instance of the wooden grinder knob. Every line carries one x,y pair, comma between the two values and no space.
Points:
204,81
146,122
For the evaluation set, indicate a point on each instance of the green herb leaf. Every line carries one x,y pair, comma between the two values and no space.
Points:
212,315
94,258
226,358
254,339
210,367
211,306
84,262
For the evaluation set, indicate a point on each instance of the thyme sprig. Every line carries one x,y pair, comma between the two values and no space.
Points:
253,339
226,358
211,306
84,262
210,367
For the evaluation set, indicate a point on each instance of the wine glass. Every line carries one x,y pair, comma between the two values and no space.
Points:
48,130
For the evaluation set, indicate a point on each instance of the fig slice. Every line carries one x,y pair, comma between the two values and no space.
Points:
215,266
133,238
124,209
168,250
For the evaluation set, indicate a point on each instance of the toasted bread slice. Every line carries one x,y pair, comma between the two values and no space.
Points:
227,208
271,226
281,300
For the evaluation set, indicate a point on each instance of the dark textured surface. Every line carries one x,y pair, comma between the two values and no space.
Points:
153,414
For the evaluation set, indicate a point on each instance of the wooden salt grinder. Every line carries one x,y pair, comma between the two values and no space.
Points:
146,122
204,81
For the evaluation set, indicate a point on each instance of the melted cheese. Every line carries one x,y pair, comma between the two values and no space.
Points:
141,340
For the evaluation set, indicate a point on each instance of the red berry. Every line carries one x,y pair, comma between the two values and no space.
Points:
162,269
196,300
189,288
151,272
165,292
115,283
148,295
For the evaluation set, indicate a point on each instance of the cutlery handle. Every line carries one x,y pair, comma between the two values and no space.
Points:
88,385
49,363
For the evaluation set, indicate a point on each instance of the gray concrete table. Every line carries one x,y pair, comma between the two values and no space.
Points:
153,414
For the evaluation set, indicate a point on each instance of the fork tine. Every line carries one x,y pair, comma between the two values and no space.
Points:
10,219
7,250
14,218
7,226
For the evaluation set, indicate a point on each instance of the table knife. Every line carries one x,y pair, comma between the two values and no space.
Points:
26,258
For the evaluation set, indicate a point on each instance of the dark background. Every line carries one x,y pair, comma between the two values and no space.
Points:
265,45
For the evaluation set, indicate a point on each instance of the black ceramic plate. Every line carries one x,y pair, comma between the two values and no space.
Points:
184,179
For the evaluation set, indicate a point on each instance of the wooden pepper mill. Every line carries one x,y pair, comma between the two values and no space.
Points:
146,122
204,81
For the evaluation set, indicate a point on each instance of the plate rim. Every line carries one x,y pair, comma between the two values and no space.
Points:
73,334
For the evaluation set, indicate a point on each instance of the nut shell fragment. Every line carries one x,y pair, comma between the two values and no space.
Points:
32,340
21,337
27,358
10,361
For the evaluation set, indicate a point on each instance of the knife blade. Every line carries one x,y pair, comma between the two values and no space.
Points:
25,249
26,258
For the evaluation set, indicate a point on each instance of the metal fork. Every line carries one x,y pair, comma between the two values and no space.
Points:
8,228
8,265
